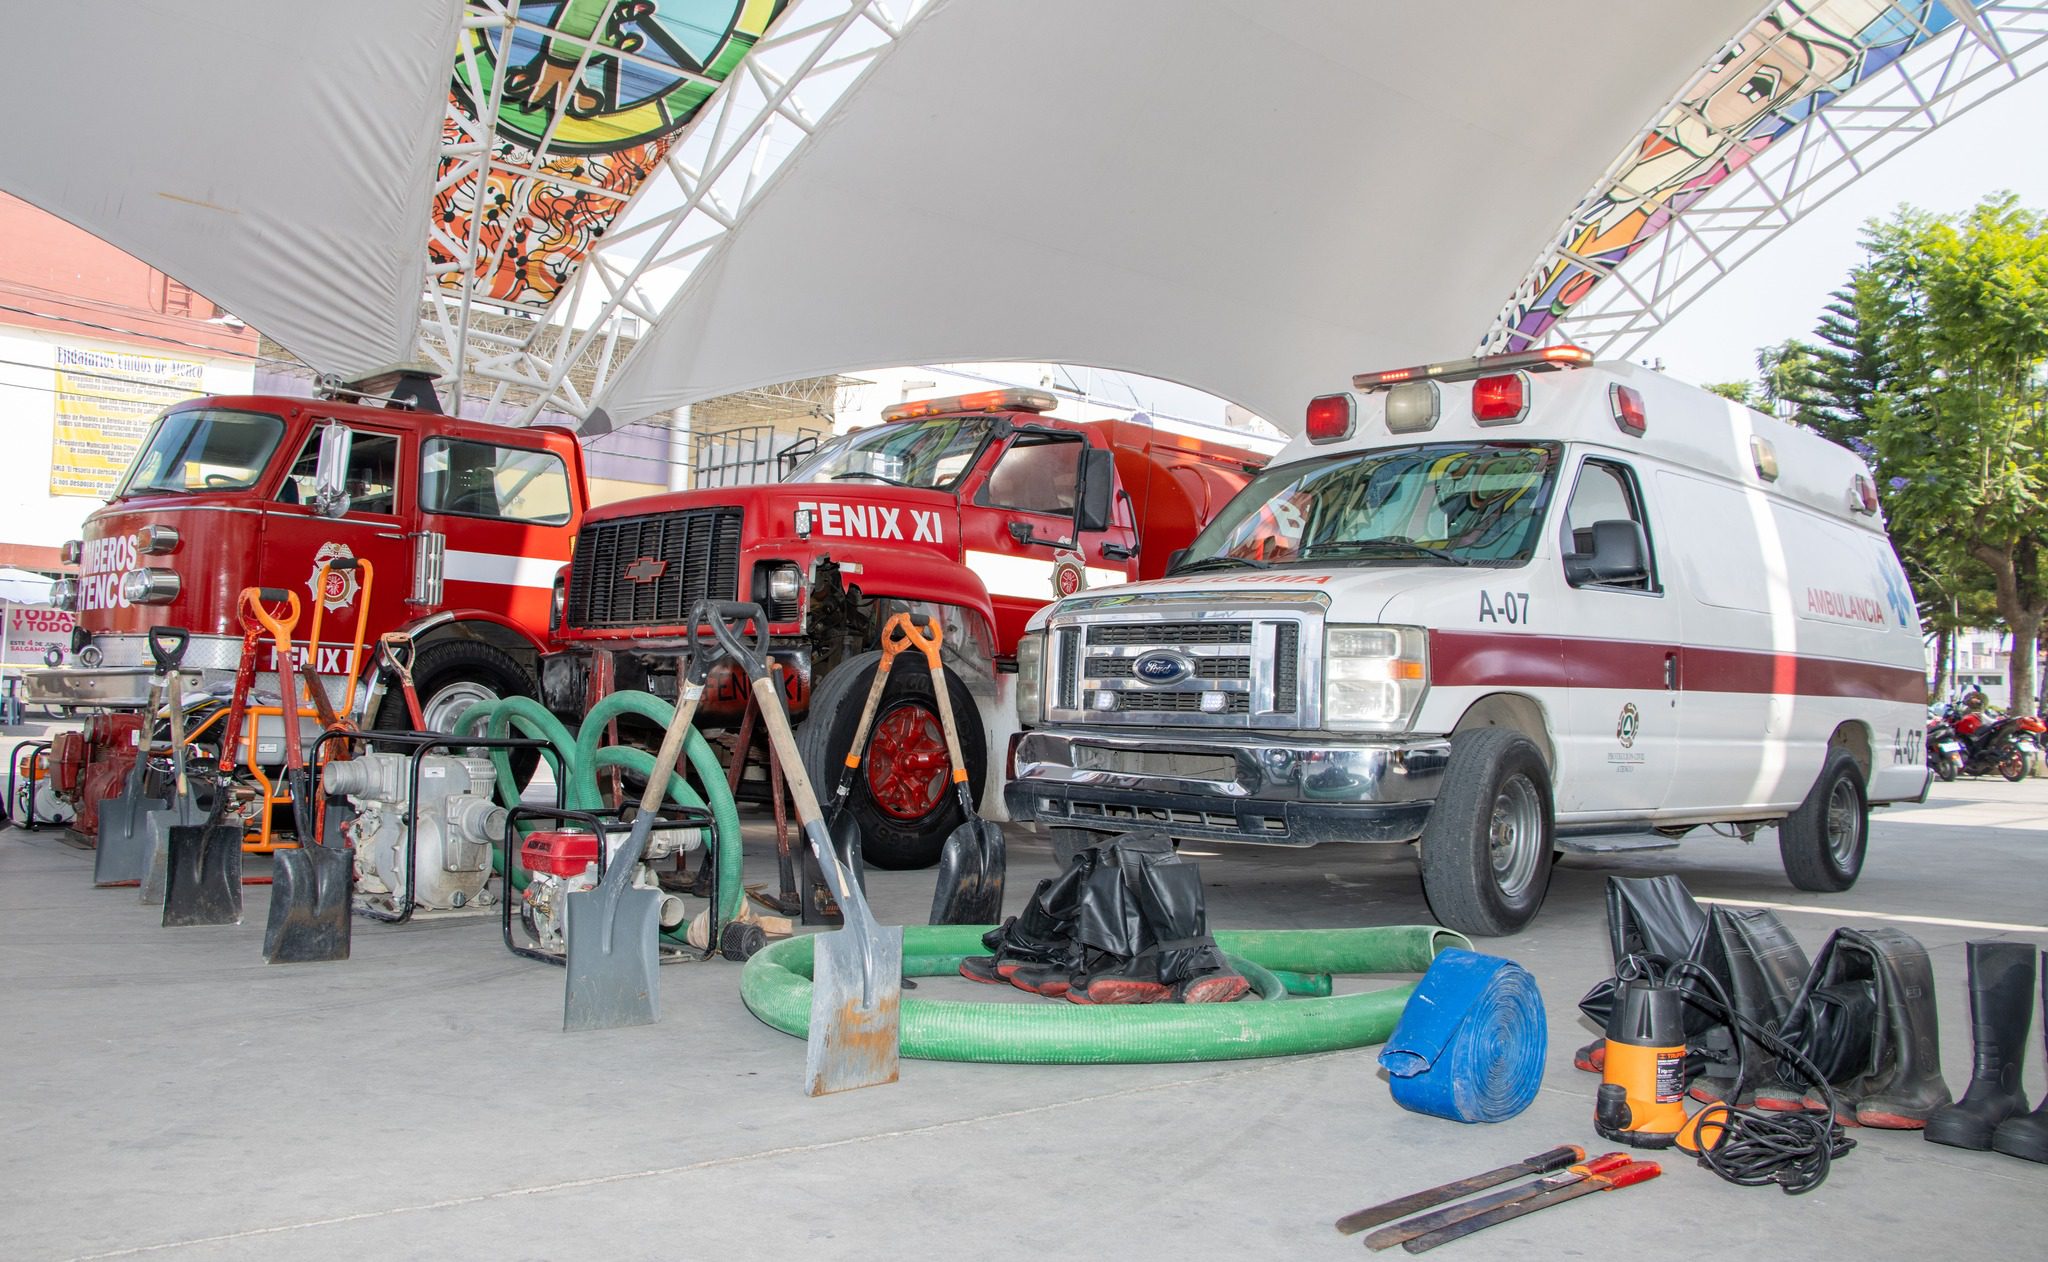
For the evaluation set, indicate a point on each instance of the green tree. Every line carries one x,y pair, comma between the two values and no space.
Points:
1950,322
1742,392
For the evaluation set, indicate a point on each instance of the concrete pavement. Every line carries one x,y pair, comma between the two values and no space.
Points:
171,1095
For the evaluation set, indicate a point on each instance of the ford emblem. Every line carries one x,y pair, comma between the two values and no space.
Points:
1162,668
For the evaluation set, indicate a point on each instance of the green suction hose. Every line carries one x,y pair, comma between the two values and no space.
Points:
776,986
581,757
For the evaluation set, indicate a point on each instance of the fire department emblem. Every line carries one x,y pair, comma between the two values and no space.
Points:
342,585
1625,731
1069,574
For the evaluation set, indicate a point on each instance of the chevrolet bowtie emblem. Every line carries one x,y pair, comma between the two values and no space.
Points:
644,570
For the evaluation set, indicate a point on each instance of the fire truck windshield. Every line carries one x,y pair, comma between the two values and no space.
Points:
203,449
1435,504
929,453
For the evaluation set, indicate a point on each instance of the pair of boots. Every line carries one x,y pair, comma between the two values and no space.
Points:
1865,1019
1123,923
1993,1111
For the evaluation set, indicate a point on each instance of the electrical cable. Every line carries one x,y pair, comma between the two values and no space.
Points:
1756,1148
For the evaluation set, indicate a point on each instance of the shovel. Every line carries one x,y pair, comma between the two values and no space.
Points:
310,887
857,971
157,824
121,855
203,884
971,867
844,828
610,934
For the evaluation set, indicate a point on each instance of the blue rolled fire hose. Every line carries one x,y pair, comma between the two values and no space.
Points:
1471,1041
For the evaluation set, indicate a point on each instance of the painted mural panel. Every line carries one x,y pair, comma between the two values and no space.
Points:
594,92
1774,77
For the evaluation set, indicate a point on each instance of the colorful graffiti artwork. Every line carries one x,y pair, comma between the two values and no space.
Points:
594,94
1769,80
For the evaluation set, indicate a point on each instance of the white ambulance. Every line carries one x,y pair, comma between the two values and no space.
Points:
1491,607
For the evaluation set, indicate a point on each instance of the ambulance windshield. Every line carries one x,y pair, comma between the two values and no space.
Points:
203,449
930,453
1435,504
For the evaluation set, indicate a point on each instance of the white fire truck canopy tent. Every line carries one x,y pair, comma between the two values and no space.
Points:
1255,199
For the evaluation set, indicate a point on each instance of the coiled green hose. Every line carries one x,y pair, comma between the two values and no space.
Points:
776,986
582,757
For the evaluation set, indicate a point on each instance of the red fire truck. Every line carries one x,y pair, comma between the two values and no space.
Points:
464,526
976,509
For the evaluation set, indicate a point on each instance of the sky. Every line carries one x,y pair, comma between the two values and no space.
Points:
1779,291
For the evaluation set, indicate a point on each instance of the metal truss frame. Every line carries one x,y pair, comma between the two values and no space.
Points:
1993,47
514,362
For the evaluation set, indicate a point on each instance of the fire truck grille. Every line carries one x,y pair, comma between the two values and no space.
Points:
648,571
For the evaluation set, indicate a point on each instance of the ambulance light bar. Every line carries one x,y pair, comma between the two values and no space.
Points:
980,401
1548,359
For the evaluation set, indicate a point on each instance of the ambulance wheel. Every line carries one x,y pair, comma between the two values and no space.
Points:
1486,848
452,676
1822,843
902,796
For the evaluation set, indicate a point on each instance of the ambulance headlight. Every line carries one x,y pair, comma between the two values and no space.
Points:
1374,678
150,586
1031,678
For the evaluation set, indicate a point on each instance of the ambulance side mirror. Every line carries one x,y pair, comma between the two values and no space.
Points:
1098,490
330,479
1619,556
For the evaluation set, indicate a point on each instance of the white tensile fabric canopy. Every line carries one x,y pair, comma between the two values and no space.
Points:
1255,199
276,155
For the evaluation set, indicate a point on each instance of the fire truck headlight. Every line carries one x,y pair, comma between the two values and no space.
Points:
151,586
156,540
1031,678
1374,677
64,593
784,583
558,603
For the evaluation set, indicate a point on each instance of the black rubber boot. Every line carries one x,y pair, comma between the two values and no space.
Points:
1039,937
2001,1010
1762,967
2026,1136
1177,960
1904,1088
1112,929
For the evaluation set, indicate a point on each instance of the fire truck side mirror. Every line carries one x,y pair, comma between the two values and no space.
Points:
330,481
1098,488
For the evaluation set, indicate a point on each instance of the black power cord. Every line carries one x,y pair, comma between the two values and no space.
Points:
1756,1148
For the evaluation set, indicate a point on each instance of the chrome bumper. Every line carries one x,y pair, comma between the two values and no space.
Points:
1264,790
111,687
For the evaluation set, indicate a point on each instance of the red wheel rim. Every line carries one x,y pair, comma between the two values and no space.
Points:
907,766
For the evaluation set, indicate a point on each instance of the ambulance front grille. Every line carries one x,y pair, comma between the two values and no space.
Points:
649,571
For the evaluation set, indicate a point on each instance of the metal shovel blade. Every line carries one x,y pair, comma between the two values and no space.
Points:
855,998
310,895
122,854
971,867
612,957
203,884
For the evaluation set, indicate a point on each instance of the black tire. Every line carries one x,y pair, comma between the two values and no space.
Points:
889,840
1946,767
2013,766
1824,841
1486,848
450,676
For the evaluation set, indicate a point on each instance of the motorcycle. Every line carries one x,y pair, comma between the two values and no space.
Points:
2002,745
1944,750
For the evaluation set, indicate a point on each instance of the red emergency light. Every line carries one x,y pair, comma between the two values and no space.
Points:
1330,417
1500,400
1626,405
